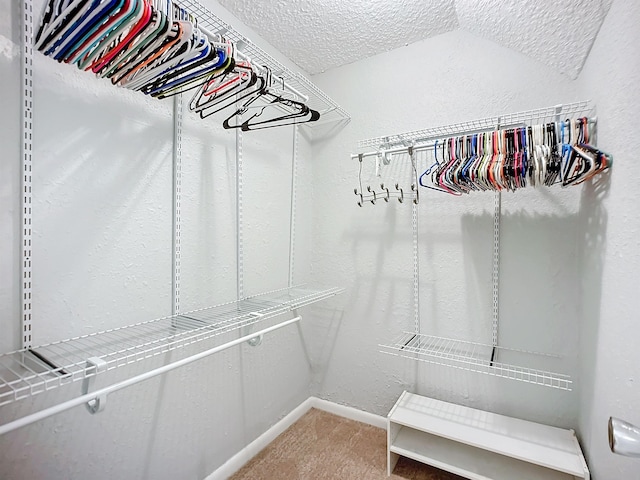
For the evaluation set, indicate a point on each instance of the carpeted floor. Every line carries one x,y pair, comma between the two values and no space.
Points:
324,446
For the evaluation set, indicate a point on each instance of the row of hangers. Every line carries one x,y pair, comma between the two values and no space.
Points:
156,47
509,159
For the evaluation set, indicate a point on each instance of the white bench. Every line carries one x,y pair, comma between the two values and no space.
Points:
480,445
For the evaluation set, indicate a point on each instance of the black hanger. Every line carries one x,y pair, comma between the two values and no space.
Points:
300,114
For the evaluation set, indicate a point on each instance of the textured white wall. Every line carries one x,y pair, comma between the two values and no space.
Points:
609,345
102,258
450,78
10,176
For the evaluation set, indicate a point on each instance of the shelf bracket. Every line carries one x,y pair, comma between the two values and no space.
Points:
100,402
257,340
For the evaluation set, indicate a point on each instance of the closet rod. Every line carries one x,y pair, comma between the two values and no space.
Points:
103,392
427,146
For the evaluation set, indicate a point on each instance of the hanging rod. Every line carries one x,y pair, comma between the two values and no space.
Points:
425,138
103,392
426,146
23,373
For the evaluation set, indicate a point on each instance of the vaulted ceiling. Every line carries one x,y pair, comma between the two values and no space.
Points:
318,35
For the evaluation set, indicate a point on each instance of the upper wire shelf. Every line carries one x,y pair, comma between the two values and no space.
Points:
329,110
539,115
479,358
27,372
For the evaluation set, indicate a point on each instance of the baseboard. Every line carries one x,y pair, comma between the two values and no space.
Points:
236,462
349,412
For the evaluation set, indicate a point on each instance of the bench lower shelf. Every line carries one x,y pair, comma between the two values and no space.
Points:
480,445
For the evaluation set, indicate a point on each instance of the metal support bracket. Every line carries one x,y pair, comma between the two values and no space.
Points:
292,215
100,402
26,147
257,340
177,197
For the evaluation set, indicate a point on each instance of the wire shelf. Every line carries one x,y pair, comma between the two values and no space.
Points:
27,372
546,114
318,100
476,357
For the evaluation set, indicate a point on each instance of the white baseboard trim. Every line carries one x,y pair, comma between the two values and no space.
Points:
349,412
236,462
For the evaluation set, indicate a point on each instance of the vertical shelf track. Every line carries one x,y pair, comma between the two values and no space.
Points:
27,165
416,268
177,194
292,216
239,219
495,277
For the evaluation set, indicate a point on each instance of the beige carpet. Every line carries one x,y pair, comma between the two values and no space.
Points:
321,445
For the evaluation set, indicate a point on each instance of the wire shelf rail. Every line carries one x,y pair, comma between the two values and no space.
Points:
417,137
318,100
474,357
27,372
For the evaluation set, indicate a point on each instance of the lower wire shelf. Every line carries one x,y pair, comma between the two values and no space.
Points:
478,357
27,372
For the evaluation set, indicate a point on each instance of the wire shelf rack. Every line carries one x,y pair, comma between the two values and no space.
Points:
318,100
27,372
539,115
476,357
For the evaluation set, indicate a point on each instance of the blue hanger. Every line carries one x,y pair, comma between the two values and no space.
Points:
428,170
89,27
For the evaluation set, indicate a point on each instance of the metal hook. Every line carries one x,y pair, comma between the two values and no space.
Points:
386,199
401,199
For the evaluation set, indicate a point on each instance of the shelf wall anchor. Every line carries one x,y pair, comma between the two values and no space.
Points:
97,404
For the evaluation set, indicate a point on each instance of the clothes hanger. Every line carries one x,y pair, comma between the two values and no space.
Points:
158,26
295,112
206,105
192,45
217,56
150,55
68,15
250,91
217,65
444,174
182,43
94,30
51,10
300,114
167,37
476,174
134,31
194,69
188,45
428,172
110,36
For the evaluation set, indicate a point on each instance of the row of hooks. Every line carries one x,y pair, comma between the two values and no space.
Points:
156,47
397,192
